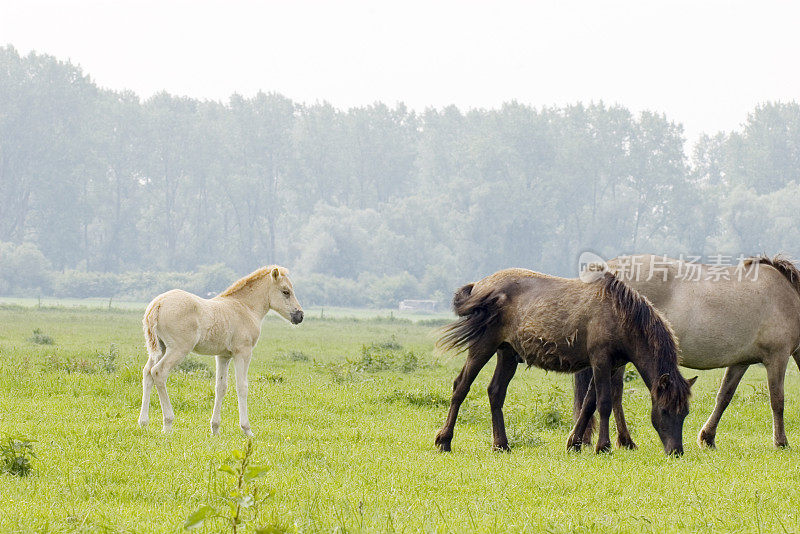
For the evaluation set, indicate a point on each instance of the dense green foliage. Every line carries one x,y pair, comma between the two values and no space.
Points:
347,434
366,205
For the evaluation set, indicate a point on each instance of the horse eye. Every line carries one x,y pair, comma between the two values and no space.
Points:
286,293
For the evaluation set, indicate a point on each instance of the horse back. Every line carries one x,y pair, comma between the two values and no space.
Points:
722,315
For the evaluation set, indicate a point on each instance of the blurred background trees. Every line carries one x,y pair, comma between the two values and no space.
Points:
104,194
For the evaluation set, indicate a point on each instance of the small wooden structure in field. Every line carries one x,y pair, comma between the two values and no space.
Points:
428,306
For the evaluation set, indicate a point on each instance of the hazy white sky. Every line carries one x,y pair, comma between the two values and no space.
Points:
703,63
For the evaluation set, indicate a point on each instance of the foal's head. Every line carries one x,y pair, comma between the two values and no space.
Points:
282,298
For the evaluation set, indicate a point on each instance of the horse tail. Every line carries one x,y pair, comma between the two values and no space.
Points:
640,317
149,323
477,312
784,265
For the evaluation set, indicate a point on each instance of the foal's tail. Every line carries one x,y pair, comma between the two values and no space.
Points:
149,323
477,312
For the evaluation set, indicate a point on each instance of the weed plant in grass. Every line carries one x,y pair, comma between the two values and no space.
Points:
357,455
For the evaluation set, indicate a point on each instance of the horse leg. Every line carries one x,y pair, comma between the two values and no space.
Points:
476,359
503,373
580,382
159,373
241,362
730,381
624,439
223,362
586,415
602,381
776,373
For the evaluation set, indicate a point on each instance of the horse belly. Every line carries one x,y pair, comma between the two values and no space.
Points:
549,356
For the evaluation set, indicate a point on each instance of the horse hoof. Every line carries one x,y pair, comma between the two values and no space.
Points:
247,432
782,444
627,444
603,449
503,447
143,422
442,441
704,439
574,443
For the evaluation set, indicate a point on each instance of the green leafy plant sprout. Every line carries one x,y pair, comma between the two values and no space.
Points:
16,456
235,499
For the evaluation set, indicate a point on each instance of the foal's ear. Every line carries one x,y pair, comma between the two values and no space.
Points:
275,273
692,381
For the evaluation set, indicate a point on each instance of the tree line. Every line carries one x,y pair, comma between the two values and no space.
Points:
365,205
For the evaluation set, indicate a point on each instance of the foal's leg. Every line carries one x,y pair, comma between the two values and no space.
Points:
159,373
624,439
585,416
147,387
476,359
223,363
730,381
776,373
241,362
602,381
503,373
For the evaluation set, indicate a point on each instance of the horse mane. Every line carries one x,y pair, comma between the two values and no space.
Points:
640,317
783,264
477,313
251,278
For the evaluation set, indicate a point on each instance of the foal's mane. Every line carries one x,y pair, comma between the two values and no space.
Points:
640,317
783,264
252,278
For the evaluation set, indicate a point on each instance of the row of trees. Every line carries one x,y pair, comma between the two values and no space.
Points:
99,181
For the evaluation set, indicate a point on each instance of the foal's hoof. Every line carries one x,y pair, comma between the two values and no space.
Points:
247,432
143,422
626,443
782,444
706,439
501,447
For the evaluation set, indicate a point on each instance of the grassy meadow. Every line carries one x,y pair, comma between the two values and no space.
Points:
345,411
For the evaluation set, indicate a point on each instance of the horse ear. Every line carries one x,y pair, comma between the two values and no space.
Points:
275,273
692,381
664,381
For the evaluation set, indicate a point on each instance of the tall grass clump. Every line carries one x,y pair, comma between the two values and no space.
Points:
40,338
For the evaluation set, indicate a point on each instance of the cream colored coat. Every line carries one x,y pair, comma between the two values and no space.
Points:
227,326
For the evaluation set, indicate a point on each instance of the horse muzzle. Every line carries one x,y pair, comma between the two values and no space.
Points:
297,317
674,450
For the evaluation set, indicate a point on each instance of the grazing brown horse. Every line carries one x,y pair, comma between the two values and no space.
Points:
565,325
723,316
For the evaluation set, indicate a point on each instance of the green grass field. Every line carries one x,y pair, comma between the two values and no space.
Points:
347,431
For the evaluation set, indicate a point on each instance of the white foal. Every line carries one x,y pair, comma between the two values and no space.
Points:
228,326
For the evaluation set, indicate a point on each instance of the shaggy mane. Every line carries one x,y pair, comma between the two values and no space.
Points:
640,317
252,278
783,264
